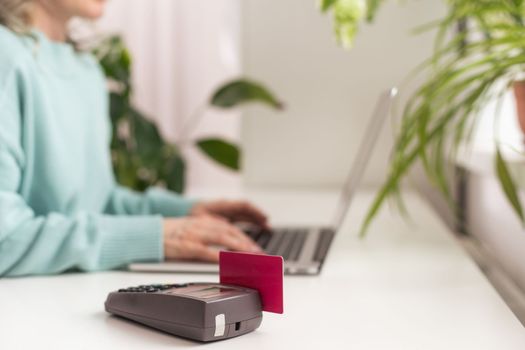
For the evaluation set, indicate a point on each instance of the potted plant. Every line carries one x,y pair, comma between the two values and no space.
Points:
478,56
141,156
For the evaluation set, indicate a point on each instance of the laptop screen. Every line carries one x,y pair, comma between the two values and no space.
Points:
381,111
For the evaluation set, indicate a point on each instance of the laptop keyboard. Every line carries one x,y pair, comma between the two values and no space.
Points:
286,242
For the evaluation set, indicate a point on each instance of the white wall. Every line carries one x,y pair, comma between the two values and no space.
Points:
330,93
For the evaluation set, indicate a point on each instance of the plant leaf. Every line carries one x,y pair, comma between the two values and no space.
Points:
459,81
115,59
325,5
118,107
237,92
508,185
175,171
371,8
147,139
124,168
222,152
141,157
405,160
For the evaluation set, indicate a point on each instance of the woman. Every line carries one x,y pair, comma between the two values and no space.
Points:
60,208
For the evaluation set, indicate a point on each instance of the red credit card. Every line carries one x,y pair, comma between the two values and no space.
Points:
263,273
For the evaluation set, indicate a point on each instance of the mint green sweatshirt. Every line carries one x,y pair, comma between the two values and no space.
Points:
60,207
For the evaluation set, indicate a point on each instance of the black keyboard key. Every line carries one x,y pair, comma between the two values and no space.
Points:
275,242
253,232
298,246
264,239
286,243
288,250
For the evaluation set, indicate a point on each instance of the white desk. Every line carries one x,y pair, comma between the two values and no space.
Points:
407,286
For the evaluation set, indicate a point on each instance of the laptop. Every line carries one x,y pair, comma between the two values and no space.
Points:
304,249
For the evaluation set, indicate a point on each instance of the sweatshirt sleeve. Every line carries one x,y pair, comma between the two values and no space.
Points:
34,244
31,244
155,201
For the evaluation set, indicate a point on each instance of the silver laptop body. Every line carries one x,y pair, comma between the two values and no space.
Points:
304,249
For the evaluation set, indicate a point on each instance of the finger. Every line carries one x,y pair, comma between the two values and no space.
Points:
254,222
240,235
225,235
190,250
213,217
204,253
237,211
247,211
215,231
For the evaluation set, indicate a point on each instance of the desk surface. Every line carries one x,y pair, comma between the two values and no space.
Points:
409,285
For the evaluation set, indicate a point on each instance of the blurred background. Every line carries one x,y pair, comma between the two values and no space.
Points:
184,49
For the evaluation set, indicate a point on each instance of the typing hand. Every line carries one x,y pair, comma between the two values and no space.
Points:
233,211
197,238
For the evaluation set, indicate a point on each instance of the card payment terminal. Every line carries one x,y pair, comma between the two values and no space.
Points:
199,311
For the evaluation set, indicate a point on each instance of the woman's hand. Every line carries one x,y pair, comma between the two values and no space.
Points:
233,211
195,237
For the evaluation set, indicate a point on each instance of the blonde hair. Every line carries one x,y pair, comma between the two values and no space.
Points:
14,15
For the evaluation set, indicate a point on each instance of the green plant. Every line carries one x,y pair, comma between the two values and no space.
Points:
141,157
478,55
347,15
